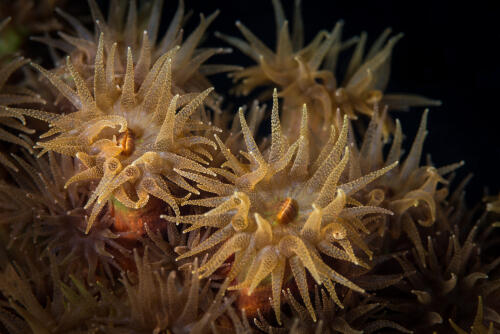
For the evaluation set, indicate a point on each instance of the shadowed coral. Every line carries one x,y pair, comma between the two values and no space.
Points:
129,27
11,94
68,309
306,74
413,192
477,327
41,211
155,300
358,316
130,140
281,212
28,17
493,206
448,286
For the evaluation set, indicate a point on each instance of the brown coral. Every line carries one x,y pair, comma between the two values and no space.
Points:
413,192
137,28
324,220
449,284
358,316
39,210
130,141
11,94
68,309
156,300
306,74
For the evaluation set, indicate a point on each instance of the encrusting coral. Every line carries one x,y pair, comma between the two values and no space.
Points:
306,74
278,213
132,200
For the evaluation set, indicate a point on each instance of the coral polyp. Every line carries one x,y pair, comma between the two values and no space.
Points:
185,304
11,94
364,315
133,199
306,73
52,218
278,213
413,192
451,286
131,141
129,27
50,305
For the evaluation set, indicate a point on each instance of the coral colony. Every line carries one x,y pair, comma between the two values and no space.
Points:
132,200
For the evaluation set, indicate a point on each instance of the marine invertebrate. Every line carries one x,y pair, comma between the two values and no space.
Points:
28,17
246,213
39,210
493,206
130,141
478,326
137,28
357,316
306,74
449,285
413,192
11,94
151,207
156,300
67,310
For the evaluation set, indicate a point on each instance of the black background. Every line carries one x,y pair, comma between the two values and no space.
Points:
449,52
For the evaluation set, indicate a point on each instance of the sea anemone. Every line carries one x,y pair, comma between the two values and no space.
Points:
277,213
39,210
130,141
306,74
